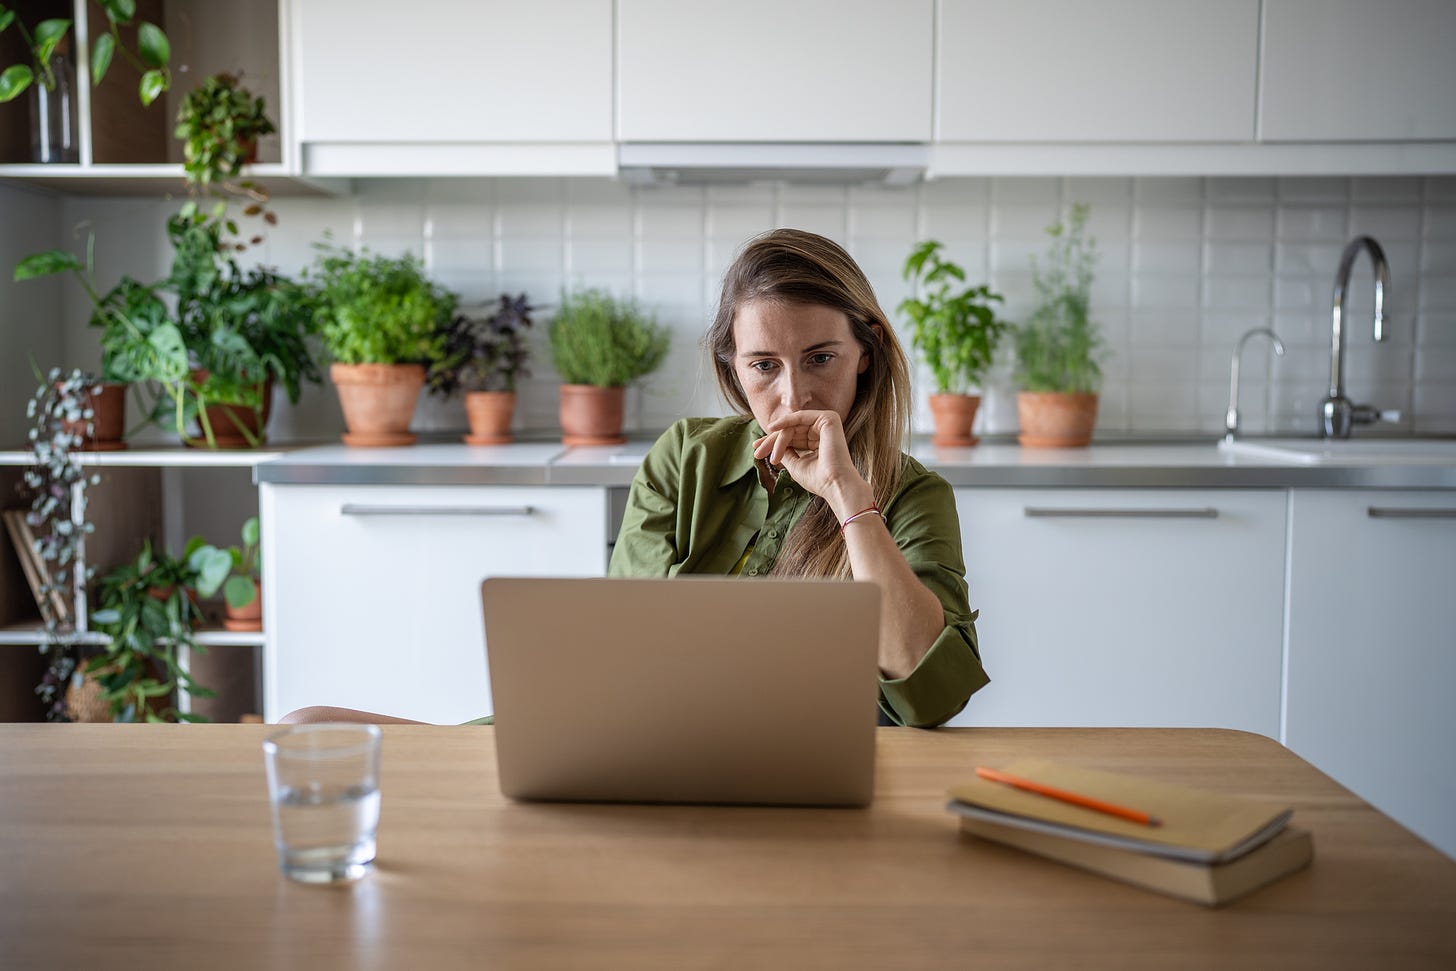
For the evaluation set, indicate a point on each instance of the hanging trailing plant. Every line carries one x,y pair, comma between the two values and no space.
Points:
61,417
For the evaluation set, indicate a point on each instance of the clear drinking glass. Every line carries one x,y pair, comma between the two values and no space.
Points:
323,783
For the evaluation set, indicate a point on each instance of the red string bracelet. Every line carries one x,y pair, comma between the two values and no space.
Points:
872,510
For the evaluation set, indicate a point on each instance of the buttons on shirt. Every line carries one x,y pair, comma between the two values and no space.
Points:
753,572
773,534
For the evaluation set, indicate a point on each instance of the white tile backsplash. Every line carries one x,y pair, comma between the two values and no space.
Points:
1186,266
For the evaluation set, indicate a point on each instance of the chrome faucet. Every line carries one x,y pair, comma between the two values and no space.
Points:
1231,417
1338,414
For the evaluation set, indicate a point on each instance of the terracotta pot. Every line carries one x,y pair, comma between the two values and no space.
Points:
591,415
229,421
378,401
249,617
1054,419
490,414
108,421
954,414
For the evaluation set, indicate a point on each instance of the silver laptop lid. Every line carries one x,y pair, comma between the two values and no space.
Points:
696,689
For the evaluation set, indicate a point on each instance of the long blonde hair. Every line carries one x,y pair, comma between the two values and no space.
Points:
794,266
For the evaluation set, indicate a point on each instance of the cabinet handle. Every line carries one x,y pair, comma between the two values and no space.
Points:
356,509
1044,512
1387,512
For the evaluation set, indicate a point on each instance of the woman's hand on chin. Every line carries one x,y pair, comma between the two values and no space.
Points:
811,445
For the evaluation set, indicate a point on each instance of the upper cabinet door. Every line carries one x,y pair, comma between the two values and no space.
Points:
1111,71
774,70
1351,70
448,71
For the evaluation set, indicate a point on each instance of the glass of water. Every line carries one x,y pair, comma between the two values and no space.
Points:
323,783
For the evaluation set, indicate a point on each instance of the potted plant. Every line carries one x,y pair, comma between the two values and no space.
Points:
107,427
956,332
1058,348
244,332
234,570
601,344
483,355
206,343
50,78
383,323
148,609
219,123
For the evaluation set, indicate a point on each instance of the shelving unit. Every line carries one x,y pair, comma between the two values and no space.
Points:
126,148
127,506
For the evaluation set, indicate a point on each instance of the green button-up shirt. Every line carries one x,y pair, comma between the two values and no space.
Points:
697,503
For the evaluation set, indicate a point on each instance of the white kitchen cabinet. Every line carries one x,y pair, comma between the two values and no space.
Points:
1349,70
1372,649
374,591
1114,607
1112,71
770,71
445,87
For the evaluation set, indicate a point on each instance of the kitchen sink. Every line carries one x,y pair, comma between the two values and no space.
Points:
1350,451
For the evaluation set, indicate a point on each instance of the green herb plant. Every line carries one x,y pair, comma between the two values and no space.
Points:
1058,348
600,340
376,309
484,351
150,58
219,124
147,610
955,330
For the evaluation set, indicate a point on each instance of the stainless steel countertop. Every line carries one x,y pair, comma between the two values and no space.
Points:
1164,463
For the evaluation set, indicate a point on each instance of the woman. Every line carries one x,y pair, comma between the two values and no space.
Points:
808,479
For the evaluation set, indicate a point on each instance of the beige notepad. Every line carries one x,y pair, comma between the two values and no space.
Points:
1198,825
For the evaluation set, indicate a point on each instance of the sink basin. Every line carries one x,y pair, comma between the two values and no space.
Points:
1350,451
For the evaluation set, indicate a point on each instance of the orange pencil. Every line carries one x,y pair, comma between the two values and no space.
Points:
1076,799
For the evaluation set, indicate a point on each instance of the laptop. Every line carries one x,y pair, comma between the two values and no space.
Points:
689,690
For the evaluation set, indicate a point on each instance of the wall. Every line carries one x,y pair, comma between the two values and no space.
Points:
30,222
1186,266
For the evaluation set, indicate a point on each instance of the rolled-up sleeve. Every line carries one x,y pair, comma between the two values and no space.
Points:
646,544
923,520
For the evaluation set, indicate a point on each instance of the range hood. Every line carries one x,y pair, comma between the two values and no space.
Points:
815,163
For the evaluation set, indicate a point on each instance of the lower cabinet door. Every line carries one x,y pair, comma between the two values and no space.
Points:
372,593
1372,649
1110,607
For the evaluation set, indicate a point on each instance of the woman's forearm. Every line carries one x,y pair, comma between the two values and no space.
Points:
911,617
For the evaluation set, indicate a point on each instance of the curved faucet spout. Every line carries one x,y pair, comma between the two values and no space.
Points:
1231,417
1337,411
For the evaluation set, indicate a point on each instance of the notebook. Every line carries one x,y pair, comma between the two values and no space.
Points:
1197,825
1210,848
1289,850
690,690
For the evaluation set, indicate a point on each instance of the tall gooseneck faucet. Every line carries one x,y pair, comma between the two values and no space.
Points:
1231,417
1337,413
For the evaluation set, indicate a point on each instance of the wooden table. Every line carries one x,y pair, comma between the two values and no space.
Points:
150,847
